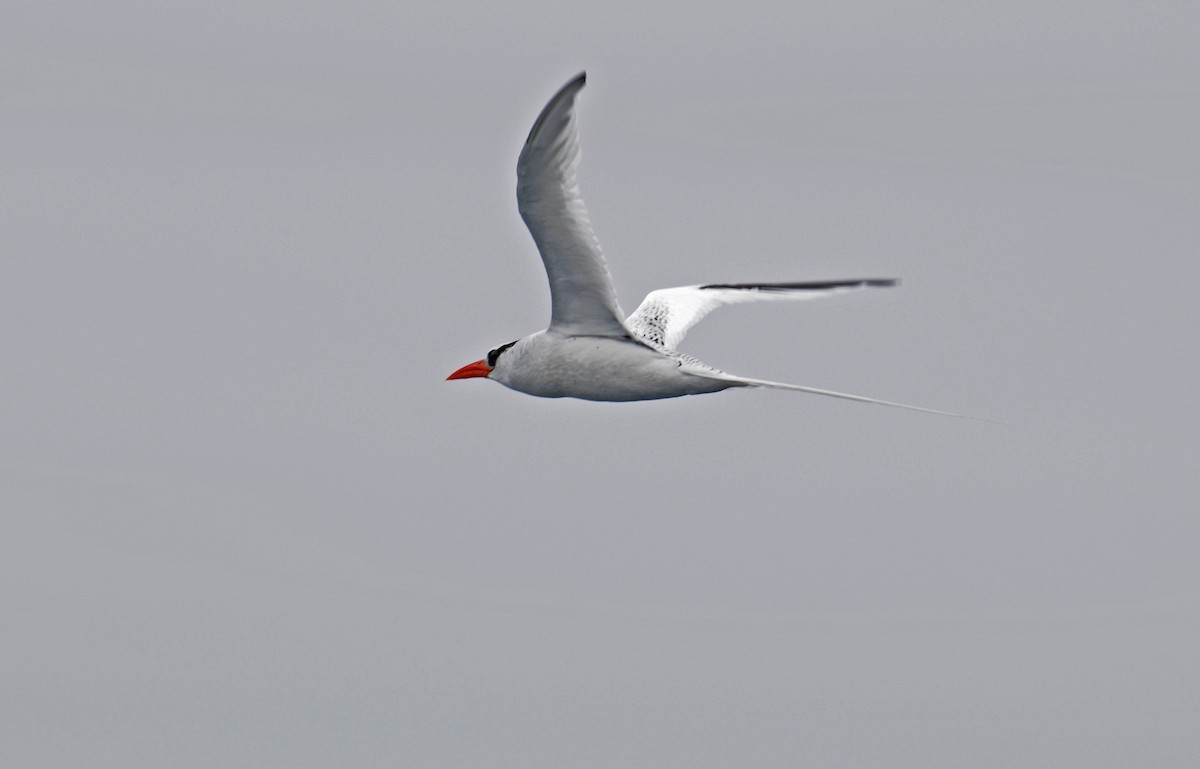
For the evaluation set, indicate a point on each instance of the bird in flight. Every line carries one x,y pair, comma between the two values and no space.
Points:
588,351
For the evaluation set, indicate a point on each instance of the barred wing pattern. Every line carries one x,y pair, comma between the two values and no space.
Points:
664,316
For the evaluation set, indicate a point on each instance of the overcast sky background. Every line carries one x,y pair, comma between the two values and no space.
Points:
245,522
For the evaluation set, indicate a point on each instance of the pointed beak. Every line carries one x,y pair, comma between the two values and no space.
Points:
478,368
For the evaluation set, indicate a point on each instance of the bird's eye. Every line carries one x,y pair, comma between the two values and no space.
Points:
494,354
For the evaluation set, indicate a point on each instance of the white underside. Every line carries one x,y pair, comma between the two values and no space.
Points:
603,369
598,368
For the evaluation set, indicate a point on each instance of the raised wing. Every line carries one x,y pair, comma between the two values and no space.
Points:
582,299
665,315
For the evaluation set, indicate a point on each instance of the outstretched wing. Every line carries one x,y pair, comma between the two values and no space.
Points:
665,315
582,299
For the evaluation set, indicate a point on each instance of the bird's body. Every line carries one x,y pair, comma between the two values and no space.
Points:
590,351
601,368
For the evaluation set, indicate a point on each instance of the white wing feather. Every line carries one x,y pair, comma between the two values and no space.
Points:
582,299
664,316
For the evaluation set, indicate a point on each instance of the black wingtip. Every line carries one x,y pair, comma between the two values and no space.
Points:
574,84
822,285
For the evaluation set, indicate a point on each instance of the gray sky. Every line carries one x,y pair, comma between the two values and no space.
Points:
247,524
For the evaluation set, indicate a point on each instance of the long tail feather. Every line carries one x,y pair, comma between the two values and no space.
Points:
859,398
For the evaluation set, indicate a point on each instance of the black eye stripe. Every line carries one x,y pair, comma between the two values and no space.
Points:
494,354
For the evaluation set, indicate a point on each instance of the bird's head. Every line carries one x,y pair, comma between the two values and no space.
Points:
486,366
